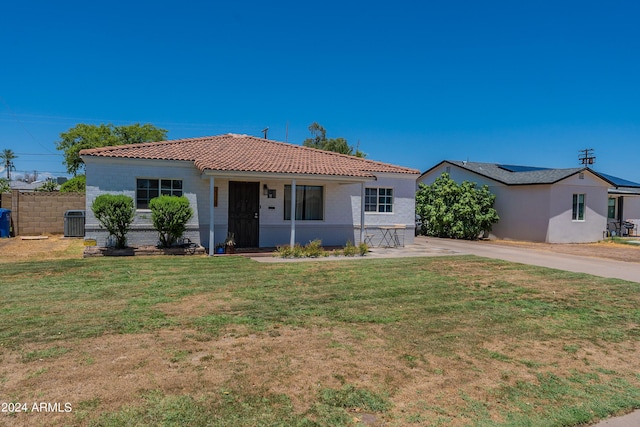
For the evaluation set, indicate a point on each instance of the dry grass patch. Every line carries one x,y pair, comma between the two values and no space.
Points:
55,246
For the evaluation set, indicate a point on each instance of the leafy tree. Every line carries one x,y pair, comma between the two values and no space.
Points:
77,184
115,213
170,215
320,141
4,185
459,211
6,158
83,136
48,186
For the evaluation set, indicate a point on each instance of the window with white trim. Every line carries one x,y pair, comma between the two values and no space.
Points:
147,189
577,213
378,199
611,211
309,202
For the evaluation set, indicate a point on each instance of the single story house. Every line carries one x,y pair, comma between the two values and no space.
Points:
546,205
249,186
25,187
623,206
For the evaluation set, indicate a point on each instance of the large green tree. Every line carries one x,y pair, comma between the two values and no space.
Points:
6,159
320,141
77,184
458,211
84,136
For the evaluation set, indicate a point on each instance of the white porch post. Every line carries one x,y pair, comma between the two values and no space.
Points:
292,242
211,216
362,212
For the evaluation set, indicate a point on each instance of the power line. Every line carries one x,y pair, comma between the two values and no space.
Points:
38,154
21,124
39,171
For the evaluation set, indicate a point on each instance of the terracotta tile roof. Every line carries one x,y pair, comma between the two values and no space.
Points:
244,153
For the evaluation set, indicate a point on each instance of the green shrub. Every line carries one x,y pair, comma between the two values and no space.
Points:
115,213
48,187
314,249
297,251
77,184
363,248
459,211
283,251
4,185
170,215
349,249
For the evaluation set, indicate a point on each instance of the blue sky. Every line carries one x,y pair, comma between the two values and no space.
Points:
415,82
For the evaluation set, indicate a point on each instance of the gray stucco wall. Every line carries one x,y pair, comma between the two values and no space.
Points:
541,213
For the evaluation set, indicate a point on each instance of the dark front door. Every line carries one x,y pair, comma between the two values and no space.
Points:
244,207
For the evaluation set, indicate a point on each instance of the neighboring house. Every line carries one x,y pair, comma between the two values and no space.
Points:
623,206
540,204
25,186
247,186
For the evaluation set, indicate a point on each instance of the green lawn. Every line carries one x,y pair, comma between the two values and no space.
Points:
414,341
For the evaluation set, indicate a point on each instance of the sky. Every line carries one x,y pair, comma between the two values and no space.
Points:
412,82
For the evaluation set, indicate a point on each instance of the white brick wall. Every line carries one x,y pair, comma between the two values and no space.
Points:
118,176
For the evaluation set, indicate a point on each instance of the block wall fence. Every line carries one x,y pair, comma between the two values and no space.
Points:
35,213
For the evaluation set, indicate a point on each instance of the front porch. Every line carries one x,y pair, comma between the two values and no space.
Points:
623,215
257,211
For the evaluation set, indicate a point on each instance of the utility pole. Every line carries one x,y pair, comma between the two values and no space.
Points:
586,157
265,130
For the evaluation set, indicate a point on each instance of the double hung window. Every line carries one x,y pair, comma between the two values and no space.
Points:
147,189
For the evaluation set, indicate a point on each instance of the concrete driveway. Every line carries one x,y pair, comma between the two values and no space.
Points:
430,246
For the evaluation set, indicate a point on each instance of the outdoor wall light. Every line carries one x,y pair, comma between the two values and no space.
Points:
271,194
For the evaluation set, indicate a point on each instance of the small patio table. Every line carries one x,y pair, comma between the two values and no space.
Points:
390,237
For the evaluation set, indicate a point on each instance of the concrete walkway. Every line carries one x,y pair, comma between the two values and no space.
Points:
431,246
629,420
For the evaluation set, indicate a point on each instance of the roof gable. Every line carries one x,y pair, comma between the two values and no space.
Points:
519,175
243,153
